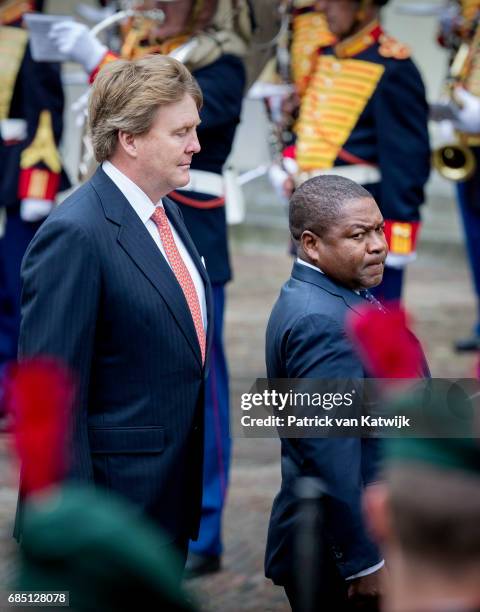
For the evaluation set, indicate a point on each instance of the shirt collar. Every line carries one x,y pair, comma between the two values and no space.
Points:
140,202
309,265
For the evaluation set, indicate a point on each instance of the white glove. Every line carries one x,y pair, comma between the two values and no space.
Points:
77,42
278,176
468,117
446,132
33,209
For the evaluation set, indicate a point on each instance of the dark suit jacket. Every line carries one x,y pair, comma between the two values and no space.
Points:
98,294
306,339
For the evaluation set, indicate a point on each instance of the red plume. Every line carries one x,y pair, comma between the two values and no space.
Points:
39,395
386,345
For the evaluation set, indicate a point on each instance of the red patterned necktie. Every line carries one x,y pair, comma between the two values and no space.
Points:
182,274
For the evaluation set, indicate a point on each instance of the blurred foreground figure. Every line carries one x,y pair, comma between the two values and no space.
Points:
31,108
425,517
211,39
363,115
424,513
75,537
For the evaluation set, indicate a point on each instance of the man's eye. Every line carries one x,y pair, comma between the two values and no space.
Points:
358,236
380,230
182,133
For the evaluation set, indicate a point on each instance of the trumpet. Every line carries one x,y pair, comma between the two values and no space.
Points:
455,161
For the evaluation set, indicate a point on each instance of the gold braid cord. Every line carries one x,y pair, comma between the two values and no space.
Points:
43,147
12,49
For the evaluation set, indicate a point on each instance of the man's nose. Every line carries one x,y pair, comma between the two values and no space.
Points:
193,144
377,243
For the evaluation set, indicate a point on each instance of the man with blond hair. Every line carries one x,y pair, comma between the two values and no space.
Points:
114,287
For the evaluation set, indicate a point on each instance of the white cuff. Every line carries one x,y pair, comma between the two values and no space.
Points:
33,209
369,570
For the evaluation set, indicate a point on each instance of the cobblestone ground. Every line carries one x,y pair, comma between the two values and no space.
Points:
438,295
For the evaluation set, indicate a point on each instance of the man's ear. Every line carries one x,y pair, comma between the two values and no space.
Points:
309,242
128,143
376,507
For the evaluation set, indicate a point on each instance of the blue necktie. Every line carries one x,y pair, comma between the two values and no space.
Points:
373,300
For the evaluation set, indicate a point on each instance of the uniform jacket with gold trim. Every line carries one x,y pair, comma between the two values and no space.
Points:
32,93
365,101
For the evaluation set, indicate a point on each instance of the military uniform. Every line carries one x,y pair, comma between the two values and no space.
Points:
363,115
468,192
31,107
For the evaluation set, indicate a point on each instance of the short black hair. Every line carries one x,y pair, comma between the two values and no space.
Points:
317,203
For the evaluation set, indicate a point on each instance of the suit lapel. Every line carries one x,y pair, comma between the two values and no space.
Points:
135,240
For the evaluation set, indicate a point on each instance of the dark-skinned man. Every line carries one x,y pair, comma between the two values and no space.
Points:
363,115
338,230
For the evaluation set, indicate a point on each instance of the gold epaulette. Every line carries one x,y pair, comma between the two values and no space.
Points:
12,10
470,8
12,49
310,33
391,47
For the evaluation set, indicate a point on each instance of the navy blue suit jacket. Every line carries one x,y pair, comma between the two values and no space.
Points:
99,295
306,339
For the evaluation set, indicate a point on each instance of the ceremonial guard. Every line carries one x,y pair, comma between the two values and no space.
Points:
363,115
211,38
462,34
31,107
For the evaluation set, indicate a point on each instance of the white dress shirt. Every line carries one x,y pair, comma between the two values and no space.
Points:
145,208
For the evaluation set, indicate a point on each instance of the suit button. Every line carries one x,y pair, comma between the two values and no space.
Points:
337,553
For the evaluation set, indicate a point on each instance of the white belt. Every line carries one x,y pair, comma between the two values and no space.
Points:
205,182
360,173
13,129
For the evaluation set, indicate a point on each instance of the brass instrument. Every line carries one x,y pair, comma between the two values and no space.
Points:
455,161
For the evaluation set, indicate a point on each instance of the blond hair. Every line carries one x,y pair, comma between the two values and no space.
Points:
127,94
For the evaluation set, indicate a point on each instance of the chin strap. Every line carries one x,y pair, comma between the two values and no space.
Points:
360,16
359,19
